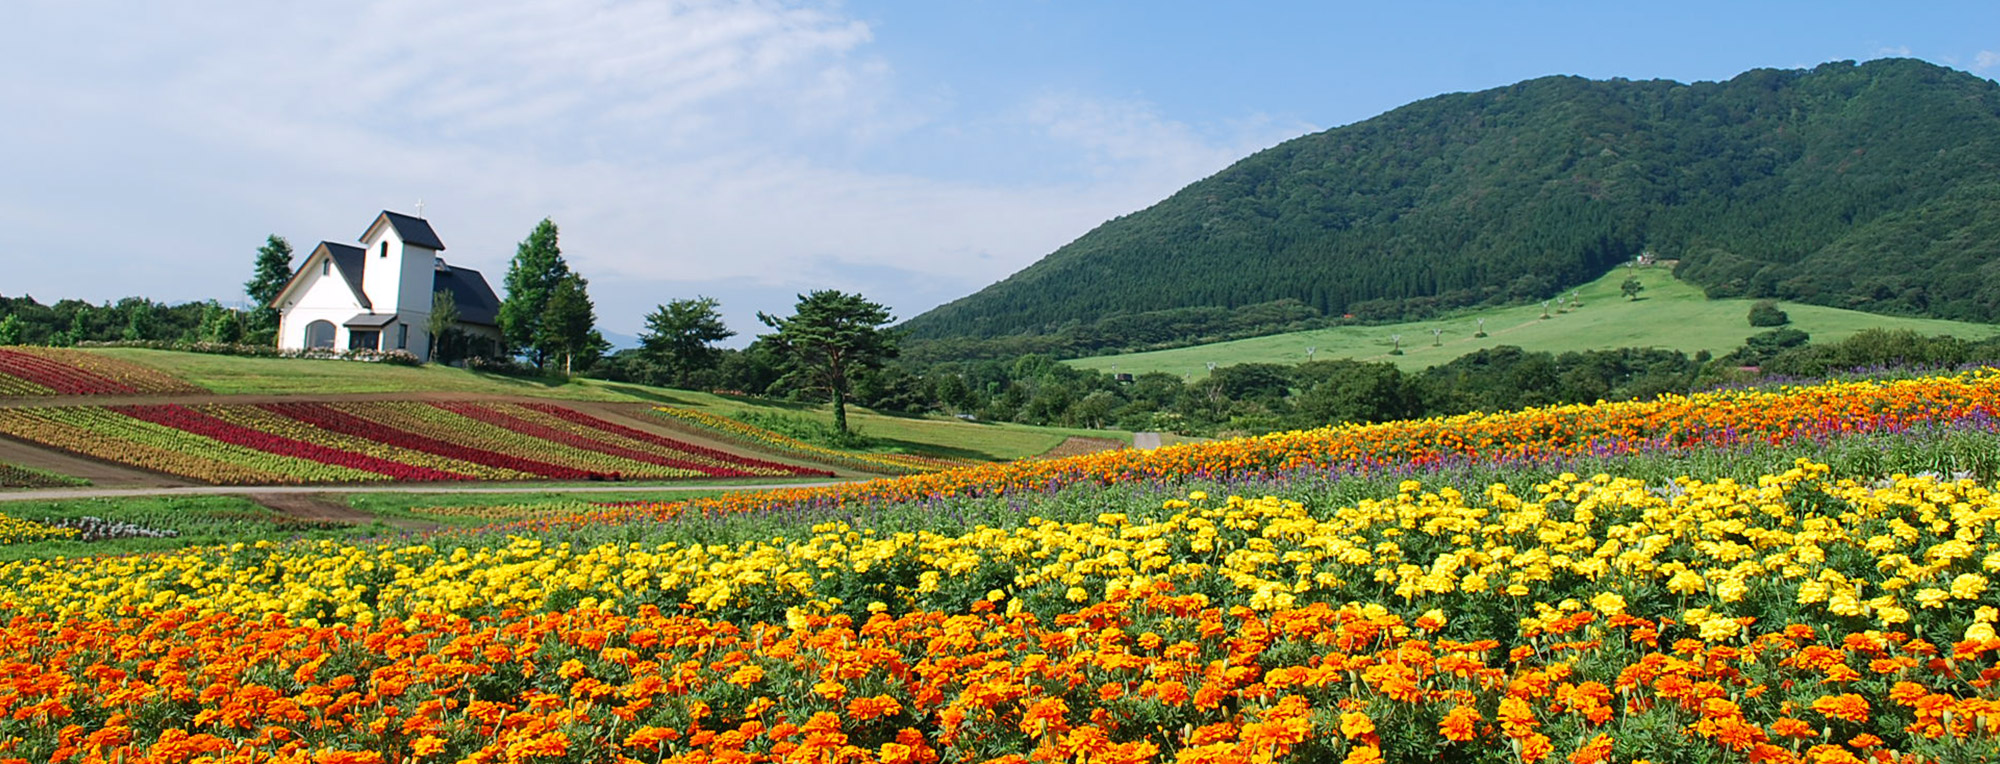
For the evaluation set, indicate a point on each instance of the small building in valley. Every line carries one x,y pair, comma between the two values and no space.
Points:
378,296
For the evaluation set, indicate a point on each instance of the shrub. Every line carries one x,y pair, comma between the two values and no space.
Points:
1766,313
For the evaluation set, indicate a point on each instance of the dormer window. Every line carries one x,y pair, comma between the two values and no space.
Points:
385,247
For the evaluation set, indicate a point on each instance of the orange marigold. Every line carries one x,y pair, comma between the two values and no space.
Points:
1846,706
1597,751
1458,724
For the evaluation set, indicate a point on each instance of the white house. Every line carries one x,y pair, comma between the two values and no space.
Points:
378,296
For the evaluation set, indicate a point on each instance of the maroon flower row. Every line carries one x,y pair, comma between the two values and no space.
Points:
189,420
531,429
578,417
332,420
62,378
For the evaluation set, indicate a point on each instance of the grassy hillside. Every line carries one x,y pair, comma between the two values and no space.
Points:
940,436
1669,314
1857,186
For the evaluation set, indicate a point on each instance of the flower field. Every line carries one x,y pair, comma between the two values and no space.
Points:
1641,613
38,371
12,476
1674,424
761,438
373,441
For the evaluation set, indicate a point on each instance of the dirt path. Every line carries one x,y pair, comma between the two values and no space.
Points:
321,508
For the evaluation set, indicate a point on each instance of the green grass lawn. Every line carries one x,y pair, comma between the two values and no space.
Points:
198,521
1668,314
934,435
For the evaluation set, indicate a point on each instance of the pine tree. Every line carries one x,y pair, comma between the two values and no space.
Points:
830,337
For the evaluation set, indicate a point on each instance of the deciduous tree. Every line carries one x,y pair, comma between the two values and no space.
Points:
679,336
532,277
273,268
568,324
444,316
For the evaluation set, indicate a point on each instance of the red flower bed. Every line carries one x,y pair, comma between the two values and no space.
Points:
189,420
578,417
59,377
322,416
525,427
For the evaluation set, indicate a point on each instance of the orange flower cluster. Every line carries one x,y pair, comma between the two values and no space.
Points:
1146,676
1673,423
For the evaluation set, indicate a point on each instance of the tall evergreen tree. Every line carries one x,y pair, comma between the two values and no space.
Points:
679,335
567,328
830,336
531,278
272,269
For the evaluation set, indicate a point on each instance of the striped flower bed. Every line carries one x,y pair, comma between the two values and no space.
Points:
33,371
762,438
280,443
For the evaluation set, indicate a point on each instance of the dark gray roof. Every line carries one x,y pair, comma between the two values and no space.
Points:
476,302
413,231
370,320
349,260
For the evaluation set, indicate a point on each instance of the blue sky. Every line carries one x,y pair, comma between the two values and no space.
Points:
912,151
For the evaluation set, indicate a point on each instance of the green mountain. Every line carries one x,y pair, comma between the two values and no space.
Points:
1872,186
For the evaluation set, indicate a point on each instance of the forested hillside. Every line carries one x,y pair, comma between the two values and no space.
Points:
1872,186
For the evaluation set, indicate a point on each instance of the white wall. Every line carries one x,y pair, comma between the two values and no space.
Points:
316,297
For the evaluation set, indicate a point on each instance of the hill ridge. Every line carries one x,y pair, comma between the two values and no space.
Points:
1865,186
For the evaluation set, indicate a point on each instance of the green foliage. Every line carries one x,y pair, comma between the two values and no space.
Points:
220,325
443,319
679,336
831,336
1630,288
10,330
532,277
270,272
1859,186
567,327
807,429
1767,313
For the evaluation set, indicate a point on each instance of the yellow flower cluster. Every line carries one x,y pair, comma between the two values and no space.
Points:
14,530
1714,551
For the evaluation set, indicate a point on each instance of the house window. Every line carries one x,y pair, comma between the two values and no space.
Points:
319,334
385,247
326,267
402,336
364,339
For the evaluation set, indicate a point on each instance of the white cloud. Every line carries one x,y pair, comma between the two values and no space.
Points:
1985,60
677,143
1898,51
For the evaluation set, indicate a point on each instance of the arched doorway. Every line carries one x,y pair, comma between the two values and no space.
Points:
319,334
